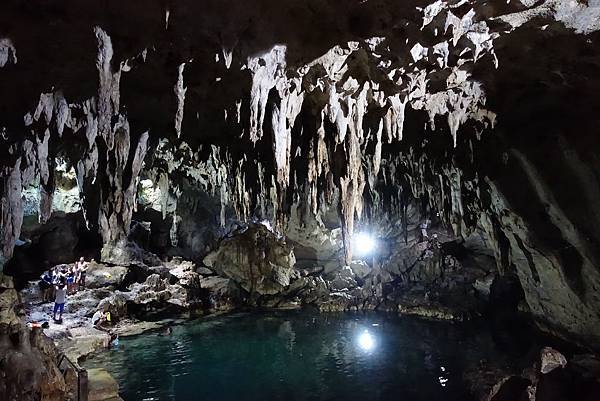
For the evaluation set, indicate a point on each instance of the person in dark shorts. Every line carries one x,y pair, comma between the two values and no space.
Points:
46,286
59,300
71,280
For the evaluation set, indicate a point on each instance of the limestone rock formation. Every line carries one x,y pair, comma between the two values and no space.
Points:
28,368
257,260
547,385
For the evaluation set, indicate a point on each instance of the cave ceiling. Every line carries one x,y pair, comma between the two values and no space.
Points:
260,101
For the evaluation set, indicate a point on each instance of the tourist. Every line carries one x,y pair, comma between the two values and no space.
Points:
59,300
70,280
97,318
60,275
82,267
46,285
113,341
76,276
168,331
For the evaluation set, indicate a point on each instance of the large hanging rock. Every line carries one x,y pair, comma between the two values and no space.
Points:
256,259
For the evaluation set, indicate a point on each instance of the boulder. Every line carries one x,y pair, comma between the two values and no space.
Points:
100,275
204,271
360,268
116,304
343,280
256,259
125,252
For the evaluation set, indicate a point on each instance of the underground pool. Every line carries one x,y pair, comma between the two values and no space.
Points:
298,355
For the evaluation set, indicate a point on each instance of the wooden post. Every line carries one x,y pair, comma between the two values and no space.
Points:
82,386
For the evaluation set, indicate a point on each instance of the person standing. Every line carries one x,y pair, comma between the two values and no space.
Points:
59,300
71,280
82,269
46,285
59,275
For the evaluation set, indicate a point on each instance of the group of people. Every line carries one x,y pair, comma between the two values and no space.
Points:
61,281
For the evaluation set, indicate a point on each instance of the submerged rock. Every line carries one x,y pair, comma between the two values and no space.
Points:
102,386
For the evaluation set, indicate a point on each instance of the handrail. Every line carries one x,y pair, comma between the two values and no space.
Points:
82,376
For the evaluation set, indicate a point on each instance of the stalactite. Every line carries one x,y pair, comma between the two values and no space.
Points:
163,186
180,91
8,52
12,208
46,175
47,196
119,198
91,126
352,184
266,70
394,118
283,119
227,57
108,90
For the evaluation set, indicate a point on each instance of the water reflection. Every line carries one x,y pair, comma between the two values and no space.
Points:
366,341
300,356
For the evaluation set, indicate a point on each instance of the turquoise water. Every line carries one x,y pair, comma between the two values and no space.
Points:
297,355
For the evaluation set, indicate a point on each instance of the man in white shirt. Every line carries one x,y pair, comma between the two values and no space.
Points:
59,300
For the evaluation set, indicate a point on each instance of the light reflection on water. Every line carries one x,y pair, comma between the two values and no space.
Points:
299,356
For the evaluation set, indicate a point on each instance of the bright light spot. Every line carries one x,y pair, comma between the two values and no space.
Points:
267,224
364,244
366,341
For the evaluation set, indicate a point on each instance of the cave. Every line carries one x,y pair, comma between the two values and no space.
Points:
300,200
